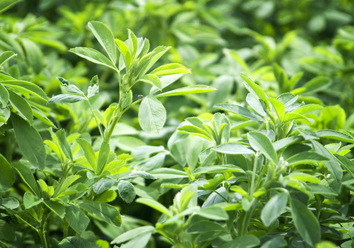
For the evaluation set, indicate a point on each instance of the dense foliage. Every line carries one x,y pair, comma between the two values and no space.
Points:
185,124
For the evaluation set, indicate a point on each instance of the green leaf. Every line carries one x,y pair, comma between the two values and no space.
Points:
21,106
314,85
147,61
170,69
303,177
76,218
239,110
155,205
102,157
305,222
168,173
56,208
205,226
307,108
194,130
34,55
7,233
247,241
27,177
25,87
151,79
102,211
131,234
65,98
254,89
326,244
93,89
6,4
7,175
126,191
64,144
6,56
278,242
77,242
332,165
125,52
152,115
103,185
4,96
218,169
93,56
30,201
89,153
335,135
213,213
64,184
306,158
105,37
274,208
233,148
29,141
260,142
195,89
346,163
139,241
278,107
281,77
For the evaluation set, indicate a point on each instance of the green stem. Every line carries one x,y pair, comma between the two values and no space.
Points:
254,174
94,116
43,238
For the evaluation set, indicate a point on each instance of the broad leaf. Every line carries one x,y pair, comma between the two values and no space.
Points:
152,115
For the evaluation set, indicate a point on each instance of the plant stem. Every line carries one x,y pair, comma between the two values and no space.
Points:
94,116
255,162
41,233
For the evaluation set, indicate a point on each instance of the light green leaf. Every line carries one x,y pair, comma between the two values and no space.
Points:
254,89
25,87
260,142
218,169
213,213
102,157
64,144
4,96
152,115
240,111
6,56
30,201
105,37
151,79
93,56
155,205
170,69
125,52
306,158
65,98
233,148
131,234
195,89
89,153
